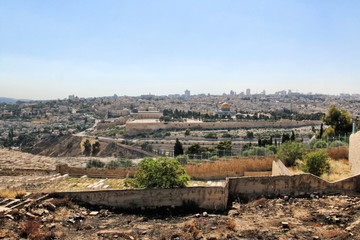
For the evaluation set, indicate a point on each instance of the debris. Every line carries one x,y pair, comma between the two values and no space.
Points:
93,213
285,224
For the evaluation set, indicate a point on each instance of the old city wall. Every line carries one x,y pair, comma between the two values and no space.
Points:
134,127
212,198
354,152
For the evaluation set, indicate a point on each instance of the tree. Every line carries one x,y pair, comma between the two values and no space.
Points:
87,147
290,151
316,163
321,131
285,137
339,120
193,149
178,148
159,173
187,132
292,138
95,148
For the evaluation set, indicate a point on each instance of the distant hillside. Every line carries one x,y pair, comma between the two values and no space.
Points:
71,146
12,100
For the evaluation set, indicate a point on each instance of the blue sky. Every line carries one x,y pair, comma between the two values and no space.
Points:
50,49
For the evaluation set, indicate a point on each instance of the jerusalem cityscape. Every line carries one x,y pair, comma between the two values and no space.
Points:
179,120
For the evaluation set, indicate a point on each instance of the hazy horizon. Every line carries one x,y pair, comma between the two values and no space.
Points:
49,50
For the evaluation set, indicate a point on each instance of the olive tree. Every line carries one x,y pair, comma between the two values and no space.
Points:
159,173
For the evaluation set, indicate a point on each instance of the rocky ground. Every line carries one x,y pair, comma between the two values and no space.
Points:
314,217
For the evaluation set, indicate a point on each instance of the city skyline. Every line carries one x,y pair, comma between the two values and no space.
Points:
50,50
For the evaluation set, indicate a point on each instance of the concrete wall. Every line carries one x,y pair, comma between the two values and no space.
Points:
211,198
354,152
254,187
134,127
216,198
279,169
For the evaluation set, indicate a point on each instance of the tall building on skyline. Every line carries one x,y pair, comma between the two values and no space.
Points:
187,93
248,92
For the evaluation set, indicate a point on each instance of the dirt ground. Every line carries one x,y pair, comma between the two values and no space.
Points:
314,217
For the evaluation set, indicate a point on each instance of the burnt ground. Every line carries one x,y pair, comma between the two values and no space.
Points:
316,217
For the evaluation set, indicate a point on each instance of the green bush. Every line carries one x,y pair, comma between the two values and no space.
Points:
316,163
94,163
338,144
320,144
159,173
210,135
272,149
290,151
119,163
255,151
182,159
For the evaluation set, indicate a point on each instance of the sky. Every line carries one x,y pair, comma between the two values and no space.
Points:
51,49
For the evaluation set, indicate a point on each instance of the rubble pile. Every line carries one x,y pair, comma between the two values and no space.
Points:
309,217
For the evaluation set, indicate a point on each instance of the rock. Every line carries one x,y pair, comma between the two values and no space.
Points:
197,215
71,220
30,215
52,226
93,213
285,224
84,176
205,214
286,198
9,216
50,206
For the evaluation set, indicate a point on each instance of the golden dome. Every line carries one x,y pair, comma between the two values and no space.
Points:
225,105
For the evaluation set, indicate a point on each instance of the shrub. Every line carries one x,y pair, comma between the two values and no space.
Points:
119,163
187,132
210,135
94,163
272,149
290,151
338,143
255,151
182,159
320,144
159,173
31,229
316,163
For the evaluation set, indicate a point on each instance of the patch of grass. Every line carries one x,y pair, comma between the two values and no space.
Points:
12,193
339,169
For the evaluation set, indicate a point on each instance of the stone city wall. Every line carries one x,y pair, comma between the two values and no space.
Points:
134,127
354,153
211,198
